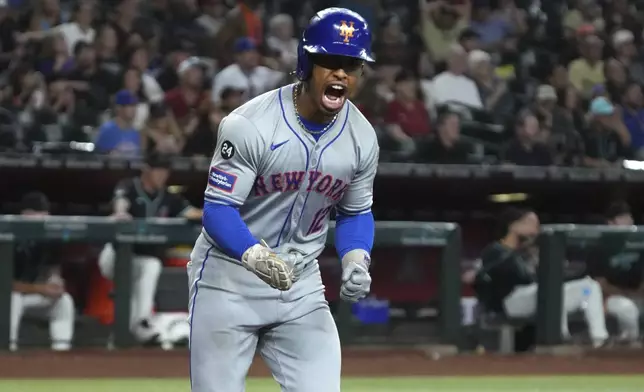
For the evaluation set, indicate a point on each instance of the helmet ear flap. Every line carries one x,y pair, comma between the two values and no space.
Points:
303,63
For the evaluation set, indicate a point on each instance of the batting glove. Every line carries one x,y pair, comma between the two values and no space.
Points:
268,266
356,281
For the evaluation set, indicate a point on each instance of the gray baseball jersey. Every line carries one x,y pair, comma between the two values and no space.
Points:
286,183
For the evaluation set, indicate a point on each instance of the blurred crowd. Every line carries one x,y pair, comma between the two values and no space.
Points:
520,82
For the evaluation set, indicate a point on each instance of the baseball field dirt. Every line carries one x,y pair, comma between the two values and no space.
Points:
356,363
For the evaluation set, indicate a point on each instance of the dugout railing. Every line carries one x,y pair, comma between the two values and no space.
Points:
124,235
554,242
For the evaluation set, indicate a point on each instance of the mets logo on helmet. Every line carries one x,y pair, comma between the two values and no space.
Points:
346,30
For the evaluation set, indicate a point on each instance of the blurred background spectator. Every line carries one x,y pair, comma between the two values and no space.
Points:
64,62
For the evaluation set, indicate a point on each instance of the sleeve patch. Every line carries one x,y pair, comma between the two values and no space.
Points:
221,180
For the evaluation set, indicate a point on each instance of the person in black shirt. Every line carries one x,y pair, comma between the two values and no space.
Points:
447,147
620,274
145,196
506,282
607,141
37,283
526,149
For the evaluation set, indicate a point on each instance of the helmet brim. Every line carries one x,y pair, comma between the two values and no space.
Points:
340,49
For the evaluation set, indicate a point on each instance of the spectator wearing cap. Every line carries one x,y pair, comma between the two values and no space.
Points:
545,102
453,85
145,196
588,70
117,136
406,119
161,133
623,42
494,91
441,24
607,141
281,40
179,50
527,148
246,73
633,117
446,147
623,14
558,130
189,102
38,285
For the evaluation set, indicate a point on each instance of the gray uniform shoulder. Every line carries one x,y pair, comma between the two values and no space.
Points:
362,133
262,111
360,124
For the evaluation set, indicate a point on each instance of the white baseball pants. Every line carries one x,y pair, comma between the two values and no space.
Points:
578,295
627,314
145,276
61,315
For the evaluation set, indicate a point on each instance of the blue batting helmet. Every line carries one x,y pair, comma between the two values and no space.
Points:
334,31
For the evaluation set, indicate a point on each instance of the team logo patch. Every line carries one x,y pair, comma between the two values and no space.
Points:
221,180
227,150
346,30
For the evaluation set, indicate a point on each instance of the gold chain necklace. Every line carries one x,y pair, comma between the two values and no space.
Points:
297,90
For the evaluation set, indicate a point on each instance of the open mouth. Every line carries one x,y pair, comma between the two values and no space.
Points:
334,97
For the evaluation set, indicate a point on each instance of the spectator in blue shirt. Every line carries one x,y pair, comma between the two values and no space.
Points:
118,136
633,117
491,28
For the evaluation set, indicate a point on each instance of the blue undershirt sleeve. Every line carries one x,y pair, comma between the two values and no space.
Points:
225,226
354,232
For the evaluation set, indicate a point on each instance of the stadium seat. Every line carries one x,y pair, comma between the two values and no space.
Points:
505,328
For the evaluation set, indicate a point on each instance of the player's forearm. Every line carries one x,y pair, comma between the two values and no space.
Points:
226,227
354,232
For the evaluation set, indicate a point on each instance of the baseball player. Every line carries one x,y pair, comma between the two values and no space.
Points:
283,162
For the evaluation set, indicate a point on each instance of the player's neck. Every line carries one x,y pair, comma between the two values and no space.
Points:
147,185
307,108
509,242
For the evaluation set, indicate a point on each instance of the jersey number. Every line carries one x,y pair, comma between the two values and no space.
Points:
227,150
318,220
